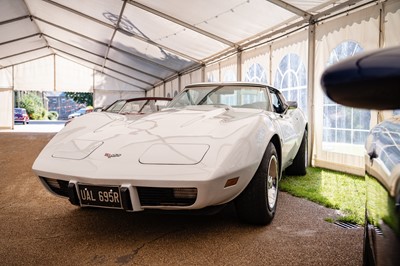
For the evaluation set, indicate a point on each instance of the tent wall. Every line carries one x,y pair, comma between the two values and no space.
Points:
6,98
6,108
348,35
55,73
103,98
36,75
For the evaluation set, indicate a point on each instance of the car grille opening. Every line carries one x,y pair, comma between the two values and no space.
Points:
151,196
60,187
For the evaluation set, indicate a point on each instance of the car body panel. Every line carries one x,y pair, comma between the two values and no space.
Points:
20,115
197,146
383,192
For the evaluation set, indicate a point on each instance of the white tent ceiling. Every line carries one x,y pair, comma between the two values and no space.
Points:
146,42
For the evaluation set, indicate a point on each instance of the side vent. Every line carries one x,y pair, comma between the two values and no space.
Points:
60,187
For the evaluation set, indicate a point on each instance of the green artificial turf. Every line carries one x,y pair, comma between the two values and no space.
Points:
331,189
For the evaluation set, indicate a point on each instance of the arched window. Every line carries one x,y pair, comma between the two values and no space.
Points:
344,125
291,80
256,73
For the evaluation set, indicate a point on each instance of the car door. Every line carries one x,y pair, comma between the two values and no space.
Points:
289,126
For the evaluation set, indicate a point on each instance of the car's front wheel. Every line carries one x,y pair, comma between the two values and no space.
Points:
257,203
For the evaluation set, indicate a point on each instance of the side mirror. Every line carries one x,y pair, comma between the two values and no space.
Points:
292,104
368,80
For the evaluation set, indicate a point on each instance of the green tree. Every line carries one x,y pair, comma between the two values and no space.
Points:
81,97
33,105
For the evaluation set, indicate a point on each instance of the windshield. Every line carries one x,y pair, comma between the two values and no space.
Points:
115,107
144,106
18,111
235,96
82,111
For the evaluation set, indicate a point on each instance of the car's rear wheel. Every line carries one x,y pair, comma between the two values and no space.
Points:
257,203
299,165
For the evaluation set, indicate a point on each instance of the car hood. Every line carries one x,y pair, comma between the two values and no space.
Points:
173,136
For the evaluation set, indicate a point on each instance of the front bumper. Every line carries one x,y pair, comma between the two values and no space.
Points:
139,194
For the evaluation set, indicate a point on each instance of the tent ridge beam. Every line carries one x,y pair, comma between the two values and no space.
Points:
182,23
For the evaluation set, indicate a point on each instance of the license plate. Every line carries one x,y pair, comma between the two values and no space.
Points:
101,196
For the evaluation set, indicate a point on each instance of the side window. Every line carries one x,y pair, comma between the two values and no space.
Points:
277,103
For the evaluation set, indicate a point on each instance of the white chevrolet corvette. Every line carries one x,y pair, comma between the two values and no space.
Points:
213,144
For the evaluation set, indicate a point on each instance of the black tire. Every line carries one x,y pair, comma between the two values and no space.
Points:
299,165
257,203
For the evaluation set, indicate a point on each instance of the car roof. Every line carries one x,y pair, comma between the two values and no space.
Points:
148,98
235,83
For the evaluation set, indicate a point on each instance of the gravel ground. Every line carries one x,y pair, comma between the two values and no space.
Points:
37,228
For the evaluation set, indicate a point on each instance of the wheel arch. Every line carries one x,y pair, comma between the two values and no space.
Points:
278,146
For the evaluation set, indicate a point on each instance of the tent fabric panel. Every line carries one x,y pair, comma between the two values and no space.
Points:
157,29
37,75
159,91
229,69
71,77
106,11
111,74
65,48
6,78
146,50
139,64
135,84
197,76
185,80
17,29
145,80
392,23
21,46
227,19
12,9
168,89
105,82
69,20
175,87
192,44
6,108
26,57
79,61
74,40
